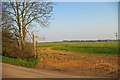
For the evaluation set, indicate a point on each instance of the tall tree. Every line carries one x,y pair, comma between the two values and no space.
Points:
20,15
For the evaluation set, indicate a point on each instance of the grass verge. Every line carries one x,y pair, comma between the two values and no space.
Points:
31,62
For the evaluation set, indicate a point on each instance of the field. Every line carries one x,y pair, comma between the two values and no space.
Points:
84,47
80,58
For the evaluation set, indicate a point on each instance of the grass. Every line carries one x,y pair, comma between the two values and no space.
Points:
84,47
0,58
32,62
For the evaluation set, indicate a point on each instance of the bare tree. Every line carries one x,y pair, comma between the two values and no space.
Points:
20,15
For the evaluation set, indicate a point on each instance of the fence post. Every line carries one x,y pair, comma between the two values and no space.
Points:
36,49
34,45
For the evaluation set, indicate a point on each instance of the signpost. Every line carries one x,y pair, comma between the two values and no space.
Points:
34,45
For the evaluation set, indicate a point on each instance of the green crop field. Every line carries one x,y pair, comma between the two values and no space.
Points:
83,47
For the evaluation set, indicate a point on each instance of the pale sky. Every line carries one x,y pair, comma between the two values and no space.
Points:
81,21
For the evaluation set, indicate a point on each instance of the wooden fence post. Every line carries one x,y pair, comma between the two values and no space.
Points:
36,49
34,46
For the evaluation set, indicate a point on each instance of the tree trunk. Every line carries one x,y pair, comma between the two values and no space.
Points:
23,32
19,25
20,43
23,26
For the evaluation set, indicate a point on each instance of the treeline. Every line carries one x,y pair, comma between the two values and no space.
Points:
89,40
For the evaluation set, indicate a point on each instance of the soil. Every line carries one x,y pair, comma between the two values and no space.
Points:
80,64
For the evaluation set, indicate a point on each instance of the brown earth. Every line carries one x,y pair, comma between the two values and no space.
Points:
78,63
12,71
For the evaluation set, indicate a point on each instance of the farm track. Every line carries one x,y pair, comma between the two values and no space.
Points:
11,71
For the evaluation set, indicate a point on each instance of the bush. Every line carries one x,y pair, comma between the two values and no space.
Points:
10,49
12,54
27,51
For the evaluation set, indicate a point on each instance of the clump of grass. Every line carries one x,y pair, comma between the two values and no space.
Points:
31,62
0,58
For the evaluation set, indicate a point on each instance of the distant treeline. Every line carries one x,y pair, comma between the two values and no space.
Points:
89,40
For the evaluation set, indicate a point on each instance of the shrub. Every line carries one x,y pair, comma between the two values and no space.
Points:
10,48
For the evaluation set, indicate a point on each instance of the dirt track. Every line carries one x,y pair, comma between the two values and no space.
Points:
11,71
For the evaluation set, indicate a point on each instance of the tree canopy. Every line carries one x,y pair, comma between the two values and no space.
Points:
17,17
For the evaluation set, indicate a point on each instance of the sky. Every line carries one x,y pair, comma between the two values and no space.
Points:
81,21
66,0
